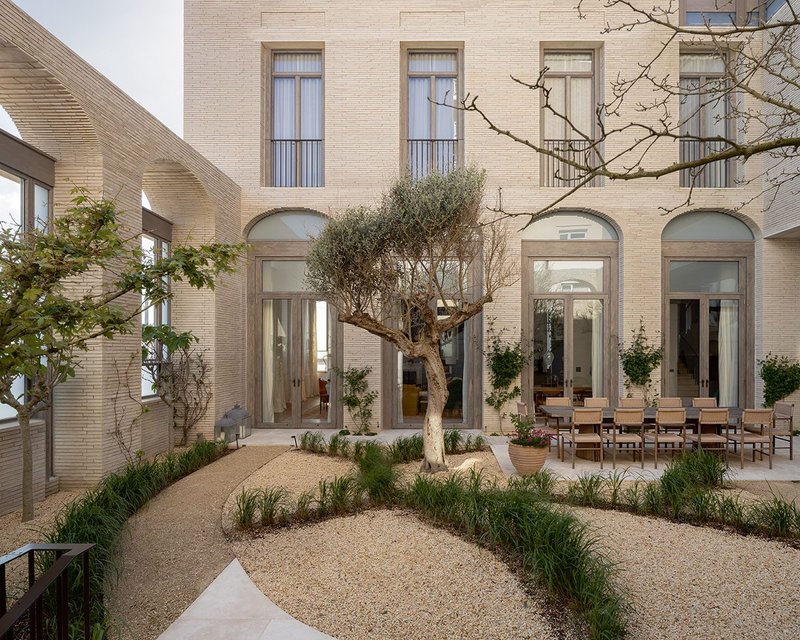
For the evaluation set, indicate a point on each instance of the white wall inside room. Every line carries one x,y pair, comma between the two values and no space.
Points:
7,124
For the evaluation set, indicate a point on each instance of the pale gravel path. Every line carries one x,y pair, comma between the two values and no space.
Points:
387,575
175,546
697,582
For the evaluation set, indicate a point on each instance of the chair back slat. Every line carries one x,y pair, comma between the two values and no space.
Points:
783,410
557,401
671,417
713,416
757,417
587,416
631,403
629,417
595,402
522,408
704,403
670,403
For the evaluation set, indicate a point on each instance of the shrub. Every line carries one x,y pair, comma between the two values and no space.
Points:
313,441
244,511
406,449
376,476
270,504
639,360
339,445
781,376
99,516
357,397
453,439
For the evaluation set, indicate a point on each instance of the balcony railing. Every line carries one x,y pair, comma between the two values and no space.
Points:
297,163
39,621
713,175
431,155
557,172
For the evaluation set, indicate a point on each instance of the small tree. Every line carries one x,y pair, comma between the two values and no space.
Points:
180,374
506,360
639,360
45,323
357,396
409,271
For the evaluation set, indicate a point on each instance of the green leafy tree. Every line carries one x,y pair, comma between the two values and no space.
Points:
79,281
506,359
409,270
639,360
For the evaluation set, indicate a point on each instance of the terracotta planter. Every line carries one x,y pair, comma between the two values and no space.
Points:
527,460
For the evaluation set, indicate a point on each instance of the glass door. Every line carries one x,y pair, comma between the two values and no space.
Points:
569,332
703,339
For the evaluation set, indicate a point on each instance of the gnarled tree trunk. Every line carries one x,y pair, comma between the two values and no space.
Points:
433,431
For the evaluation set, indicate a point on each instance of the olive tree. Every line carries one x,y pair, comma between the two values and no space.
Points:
64,287
412,268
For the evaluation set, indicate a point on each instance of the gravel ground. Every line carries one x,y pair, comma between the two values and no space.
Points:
707,583
14,533
385,574
789,491
175,546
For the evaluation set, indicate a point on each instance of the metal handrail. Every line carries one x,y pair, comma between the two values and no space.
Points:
31,601
558,170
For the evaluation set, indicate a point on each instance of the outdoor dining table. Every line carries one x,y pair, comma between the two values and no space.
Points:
560,414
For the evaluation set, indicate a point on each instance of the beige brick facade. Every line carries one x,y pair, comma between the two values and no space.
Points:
105,141
227,119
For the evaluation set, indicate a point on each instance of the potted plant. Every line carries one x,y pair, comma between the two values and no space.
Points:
528,446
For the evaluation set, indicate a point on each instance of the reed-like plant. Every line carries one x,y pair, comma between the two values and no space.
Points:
245,508
271,501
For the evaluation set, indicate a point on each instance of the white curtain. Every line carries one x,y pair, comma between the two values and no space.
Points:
419,125
728,353
554,126
283,129
581,108
267,362
311,109
446,125
283,390
597,348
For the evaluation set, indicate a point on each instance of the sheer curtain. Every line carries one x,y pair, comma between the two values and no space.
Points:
446,125
728,353
283,128
281,389
267,362
419,125
311,132
310,378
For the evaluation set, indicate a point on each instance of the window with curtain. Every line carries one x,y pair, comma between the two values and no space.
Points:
568,115
432,128
154,248
705,120
726,13
297,158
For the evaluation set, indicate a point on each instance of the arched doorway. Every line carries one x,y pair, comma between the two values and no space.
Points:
294,333
707,279
569,282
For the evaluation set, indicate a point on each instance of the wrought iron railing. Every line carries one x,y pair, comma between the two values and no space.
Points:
712,175
432,155
38,623
297,163
559,172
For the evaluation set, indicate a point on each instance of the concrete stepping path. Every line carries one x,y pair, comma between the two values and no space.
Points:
233,608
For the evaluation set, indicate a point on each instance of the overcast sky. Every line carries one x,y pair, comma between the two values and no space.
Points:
137,44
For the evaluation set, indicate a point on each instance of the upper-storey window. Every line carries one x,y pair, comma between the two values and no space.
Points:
156,241
568,115
433,124
297,158
705,119
727,13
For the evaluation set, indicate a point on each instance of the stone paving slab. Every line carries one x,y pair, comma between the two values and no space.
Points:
233,608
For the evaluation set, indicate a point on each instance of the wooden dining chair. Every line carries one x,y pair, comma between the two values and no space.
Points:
583,418
631,403
754,428
704,403
561,424
626,432
667,419
324,398
595,403
707,439
670,403
783,425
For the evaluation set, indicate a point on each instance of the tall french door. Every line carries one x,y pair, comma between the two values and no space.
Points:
568,312
297,342
705,336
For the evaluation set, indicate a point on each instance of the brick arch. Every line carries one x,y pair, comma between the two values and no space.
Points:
177,194
49,116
